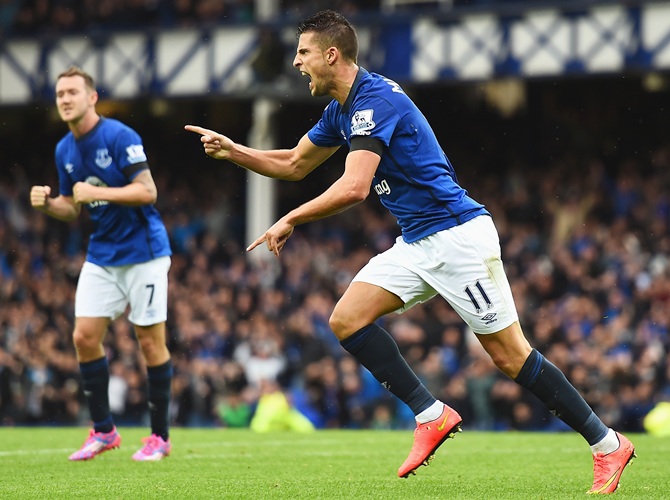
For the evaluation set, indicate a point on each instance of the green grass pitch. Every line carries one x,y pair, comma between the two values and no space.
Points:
223,463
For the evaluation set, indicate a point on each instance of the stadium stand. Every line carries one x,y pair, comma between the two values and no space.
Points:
577,178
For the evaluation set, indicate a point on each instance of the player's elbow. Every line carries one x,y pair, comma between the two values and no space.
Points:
297,166
146,198
293,175
360,196
357,193
296,171
150,196
69,217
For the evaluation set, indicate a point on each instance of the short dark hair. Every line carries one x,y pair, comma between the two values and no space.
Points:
77,71
332,30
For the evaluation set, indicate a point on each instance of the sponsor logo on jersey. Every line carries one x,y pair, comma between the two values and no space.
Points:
102,158
382,188
136,153
96,181
362,123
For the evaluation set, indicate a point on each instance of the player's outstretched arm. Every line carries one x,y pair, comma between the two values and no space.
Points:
349,190
288,164
61,207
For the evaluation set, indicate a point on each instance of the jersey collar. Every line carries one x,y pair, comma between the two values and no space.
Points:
90,132
354,87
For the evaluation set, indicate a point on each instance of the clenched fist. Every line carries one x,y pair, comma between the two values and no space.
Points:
39,197
82,192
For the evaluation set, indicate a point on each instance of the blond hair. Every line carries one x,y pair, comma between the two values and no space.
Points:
77,71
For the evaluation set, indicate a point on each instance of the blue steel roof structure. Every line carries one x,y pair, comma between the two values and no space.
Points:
539,40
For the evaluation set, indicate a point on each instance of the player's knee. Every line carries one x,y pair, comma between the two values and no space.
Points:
335,324
84,340
148,345
503,364
155,351
509,364
342,324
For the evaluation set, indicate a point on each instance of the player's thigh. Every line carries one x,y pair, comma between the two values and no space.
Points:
385,284
152,340
99,294
147,289
152,333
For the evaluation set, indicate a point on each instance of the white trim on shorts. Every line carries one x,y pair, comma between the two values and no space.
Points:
106,291
462,264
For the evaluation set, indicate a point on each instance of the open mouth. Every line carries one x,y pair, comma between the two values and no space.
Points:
308,76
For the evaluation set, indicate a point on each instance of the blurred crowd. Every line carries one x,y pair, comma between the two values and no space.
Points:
57,17
33,17
584,238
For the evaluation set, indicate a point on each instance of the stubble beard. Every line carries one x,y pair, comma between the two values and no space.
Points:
322,89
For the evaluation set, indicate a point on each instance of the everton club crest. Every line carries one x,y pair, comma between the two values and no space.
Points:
102,158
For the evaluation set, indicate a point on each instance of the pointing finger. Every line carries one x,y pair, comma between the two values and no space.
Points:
199,130
256,243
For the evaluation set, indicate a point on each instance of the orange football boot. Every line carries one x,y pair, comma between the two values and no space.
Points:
427,439
607,468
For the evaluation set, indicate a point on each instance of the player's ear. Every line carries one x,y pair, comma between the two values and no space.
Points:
93,98
332,55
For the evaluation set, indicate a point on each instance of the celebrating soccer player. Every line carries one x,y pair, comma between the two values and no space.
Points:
449,244
101,165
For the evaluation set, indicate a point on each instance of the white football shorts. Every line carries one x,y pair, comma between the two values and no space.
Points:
462,264
106,292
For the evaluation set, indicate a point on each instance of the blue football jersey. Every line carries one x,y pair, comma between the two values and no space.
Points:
415,180
112,154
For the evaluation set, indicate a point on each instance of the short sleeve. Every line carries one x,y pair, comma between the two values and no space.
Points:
326,132
129,152
374,117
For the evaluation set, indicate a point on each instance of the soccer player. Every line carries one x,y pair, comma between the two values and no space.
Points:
102,165
449,244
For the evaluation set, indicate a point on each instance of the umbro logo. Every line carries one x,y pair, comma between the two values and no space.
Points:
489,318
